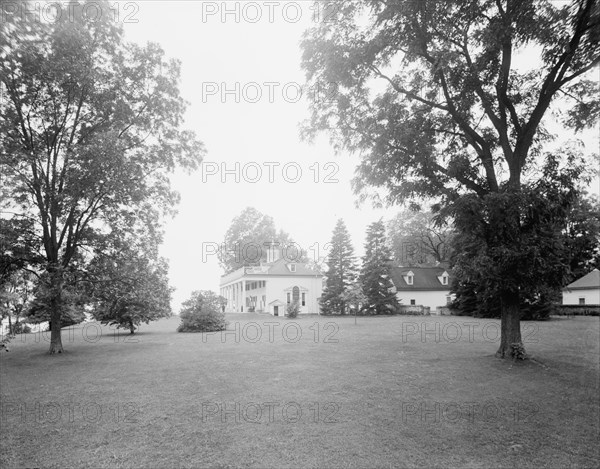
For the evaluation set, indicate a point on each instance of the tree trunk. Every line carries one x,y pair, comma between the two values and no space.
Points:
10,326
55,332
511,344
56,285
131,327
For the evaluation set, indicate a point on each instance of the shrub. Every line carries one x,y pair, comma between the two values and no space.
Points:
202,313
578,310
292,310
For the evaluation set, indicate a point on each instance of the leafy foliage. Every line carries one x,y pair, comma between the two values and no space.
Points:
292,309
16,294
19,247
418,238
375,276
431,95
355,299
203,313
575,240
495,257
341,271
248,239
89,135
582,234
455,113
57,290
129,285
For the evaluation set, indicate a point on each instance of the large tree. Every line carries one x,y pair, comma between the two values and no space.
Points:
248,238
375,274
342,271
90,132
444,100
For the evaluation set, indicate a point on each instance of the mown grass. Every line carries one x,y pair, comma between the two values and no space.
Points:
390,392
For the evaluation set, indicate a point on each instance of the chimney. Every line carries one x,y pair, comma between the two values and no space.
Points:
272,252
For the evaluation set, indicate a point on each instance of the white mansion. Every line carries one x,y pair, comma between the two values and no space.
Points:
271,286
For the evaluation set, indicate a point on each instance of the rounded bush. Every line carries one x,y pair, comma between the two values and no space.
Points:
202,313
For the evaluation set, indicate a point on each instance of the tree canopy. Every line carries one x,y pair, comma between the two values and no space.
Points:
460,109
248,238
417,237
90,131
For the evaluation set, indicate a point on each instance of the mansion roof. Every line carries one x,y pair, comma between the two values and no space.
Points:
423,278
280,267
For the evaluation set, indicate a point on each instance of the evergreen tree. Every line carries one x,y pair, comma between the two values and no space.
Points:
341,271
375,275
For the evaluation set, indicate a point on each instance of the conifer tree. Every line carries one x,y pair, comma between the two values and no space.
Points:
341,271
375,275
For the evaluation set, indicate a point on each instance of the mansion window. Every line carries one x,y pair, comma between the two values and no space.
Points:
581,301
448,300
444,280
289,295
413,302
303,299
292,267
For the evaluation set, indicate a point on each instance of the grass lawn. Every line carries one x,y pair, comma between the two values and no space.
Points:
387,392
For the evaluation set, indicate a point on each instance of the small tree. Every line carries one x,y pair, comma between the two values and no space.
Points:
355,299
130,287
202,313
292,309
341,271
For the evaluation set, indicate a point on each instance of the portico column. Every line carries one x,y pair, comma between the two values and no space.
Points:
243,296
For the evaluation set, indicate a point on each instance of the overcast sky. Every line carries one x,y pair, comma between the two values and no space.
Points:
241,75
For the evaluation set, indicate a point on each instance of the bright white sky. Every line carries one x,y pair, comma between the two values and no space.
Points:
217,52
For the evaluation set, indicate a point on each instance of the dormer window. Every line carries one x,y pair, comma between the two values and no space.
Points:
410,278
445,278
292,267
